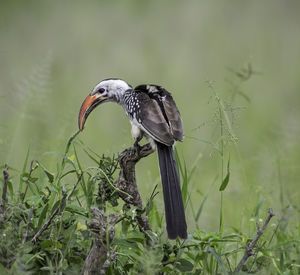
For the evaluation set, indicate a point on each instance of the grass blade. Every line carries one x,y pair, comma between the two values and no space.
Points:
226,179
23,172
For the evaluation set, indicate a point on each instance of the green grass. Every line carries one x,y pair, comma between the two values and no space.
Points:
62,248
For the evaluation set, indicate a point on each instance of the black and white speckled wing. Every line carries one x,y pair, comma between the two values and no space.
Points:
152,120
167,106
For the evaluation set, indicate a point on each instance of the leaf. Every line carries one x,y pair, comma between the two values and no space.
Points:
218,258
33,188
23,172
184,265
184,189
55,206
125,226
67,173
195,165
258,207
3,270
10,188
33,180
158,218
201,207
82,181
91,157
76,209
226,179
48,174
81,226
43,215
50,244
214,145
124,243
135,236
71,158
204,199
149,205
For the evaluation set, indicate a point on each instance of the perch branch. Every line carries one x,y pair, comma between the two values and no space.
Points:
249,250
127,179
98,259
4,190
56,211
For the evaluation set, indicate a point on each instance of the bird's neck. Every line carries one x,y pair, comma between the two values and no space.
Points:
123,99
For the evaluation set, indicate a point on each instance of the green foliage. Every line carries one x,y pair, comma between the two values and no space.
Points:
85,179
64,245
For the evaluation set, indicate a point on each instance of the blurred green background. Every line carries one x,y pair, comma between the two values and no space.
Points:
52,53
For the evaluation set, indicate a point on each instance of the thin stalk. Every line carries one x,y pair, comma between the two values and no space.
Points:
280,182
63,162
222,169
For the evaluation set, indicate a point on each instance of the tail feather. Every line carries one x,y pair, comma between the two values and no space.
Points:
174,209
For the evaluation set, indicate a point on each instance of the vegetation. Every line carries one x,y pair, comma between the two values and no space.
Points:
64,245
44,220
233,69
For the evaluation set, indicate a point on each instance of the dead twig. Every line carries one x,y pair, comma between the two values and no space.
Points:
28,223
249,250
4,190
59,208
3,199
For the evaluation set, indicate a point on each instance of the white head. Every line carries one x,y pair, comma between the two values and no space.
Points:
111,89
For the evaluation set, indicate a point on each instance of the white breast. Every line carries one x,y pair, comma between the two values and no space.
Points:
135,131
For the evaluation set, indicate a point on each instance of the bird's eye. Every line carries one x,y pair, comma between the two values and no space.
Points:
101,90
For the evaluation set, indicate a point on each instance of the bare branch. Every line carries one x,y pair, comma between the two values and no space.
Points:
249,249
58,209
127,179
4,190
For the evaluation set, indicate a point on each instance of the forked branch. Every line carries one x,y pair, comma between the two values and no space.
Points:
249,250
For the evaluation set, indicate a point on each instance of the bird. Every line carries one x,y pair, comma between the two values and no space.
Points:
154,115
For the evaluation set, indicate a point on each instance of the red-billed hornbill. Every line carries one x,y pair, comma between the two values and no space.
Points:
153,114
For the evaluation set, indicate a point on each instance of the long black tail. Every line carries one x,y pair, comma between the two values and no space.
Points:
174,210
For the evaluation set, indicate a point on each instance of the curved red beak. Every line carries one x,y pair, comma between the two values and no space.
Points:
87,107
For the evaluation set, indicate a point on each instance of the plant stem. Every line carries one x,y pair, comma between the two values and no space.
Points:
222,169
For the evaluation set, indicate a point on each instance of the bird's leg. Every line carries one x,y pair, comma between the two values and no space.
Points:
137,135
136,144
